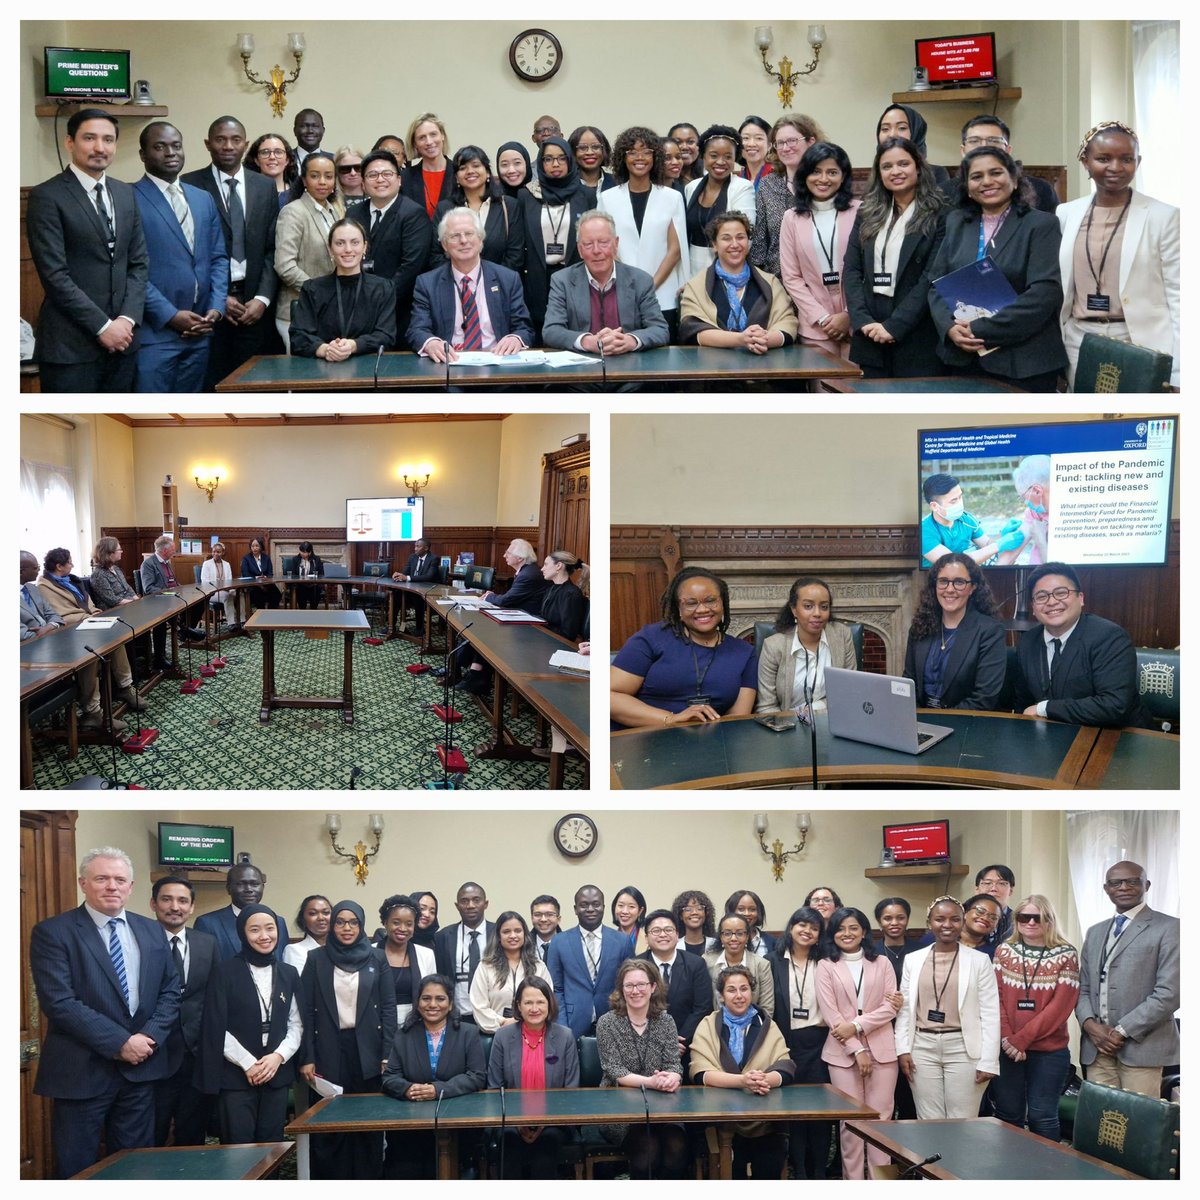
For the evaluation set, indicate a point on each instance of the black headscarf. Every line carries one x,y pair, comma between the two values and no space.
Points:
256,957
358,953
424,937
509,190
917,126
558,191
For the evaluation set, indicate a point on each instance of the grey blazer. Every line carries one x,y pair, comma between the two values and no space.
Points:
777,670
39,614
154,577
569,308
764,981
1143,988
562,1057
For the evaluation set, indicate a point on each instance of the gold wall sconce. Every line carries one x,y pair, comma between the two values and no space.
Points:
208,479
360,856
277,85
785,76
777,854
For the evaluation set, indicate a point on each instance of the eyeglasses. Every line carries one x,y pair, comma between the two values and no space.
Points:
380,176
734,935
465,236
265,153
693,908
957,585
1115,885
349,168
1029,918
589,148
788,143
346,923
637,987
993,883
1059,593
662,931
546,129
972,142
985,914
704,602
554,160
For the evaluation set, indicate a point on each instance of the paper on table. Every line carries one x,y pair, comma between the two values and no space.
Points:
485,358
97,623
514,616
571,661
568,358
326,1088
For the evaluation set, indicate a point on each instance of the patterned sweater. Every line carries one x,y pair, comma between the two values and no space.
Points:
1050,978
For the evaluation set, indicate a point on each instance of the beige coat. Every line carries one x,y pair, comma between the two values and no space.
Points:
698,309
770,1053
301,249
777,669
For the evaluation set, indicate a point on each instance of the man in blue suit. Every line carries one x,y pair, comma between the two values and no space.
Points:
108,987
468,304
583,963
189,268
245,884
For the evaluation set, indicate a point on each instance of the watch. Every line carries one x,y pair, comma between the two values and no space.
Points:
535,55
576,835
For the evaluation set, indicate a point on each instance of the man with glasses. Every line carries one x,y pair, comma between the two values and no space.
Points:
1077,667
544,913
998,881
545,127
989,131
583,963
1129,988
689,990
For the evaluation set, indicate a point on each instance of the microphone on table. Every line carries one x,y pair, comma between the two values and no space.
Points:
910,1172
603,365
649,1157
503,1122
437,1108
378,361
446,351
112,736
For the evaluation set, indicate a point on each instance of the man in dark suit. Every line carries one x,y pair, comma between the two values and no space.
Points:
245,885
1078,667
189,268
468,304
106,983
422,567
86,240
989,130
158,576
459,947
308,129
193,955
249,207
689,988
544,912
597,304
583,963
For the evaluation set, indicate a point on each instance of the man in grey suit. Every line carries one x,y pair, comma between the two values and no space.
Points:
1129,989
157,577
85,236
598,305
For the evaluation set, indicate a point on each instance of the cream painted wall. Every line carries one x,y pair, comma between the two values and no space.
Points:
524,438
44,441
350,73
113,486
789,469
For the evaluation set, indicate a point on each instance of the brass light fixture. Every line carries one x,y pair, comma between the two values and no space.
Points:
416,485
777,854
360,855
208,479
276,86
785,76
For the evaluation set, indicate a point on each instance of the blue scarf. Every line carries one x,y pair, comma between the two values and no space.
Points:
737,1027
733,284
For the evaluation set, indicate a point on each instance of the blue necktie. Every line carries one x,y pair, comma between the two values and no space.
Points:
1119,925
118,958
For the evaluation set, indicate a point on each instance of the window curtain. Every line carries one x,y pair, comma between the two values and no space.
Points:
48,512
1157,112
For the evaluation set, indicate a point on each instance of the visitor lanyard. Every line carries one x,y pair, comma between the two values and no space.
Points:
832,239
983,243
799,984
1087,241
1025,970
937,995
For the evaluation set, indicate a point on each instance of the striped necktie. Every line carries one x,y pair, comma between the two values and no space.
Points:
183,214
118,959
472,335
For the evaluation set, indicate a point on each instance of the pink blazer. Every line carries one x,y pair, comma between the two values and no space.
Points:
836,995
801,270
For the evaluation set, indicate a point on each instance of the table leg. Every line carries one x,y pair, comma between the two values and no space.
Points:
447,1154
347,681
268,652
302,1160
725,1149
27,747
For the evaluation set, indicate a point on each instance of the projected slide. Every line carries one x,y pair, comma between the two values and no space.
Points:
385,519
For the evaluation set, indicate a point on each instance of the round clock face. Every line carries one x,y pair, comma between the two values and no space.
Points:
535,55
575,835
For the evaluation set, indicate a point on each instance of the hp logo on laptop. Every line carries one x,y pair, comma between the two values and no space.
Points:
868,707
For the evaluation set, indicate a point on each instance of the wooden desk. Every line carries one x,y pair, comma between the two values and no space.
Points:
254,1160
968,384
1133,759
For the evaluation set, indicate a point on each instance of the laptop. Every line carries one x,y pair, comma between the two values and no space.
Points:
878,709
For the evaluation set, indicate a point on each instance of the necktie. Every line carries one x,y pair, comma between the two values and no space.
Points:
473,955
177,955
237,222
593,956
472,337
1057,644
666,974
542,948
28,597
376,216
183,214
1119,924
102,209
118,959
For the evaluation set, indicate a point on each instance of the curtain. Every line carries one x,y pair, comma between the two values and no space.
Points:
1157,112
48,512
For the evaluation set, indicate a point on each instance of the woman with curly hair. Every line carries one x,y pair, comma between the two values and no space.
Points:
716,191
698,916
956,653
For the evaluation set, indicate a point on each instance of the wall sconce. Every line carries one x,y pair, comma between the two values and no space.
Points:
776,853
361,855
208,479
275,87
785,76
415,484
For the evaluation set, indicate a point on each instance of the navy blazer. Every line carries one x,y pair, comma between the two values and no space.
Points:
222,925
182,279
445,947
527,590
974,675
202,957
577,994
251,570
689,994
503,234
561,1055
89,1020
433,308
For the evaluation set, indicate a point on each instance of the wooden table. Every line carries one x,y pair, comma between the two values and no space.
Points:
254,1160
1133,759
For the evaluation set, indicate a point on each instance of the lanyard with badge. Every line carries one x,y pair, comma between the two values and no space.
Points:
1098,301
701,697
1029,1004
937,1015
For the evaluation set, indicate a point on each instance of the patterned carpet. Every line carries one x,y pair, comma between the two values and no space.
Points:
214,739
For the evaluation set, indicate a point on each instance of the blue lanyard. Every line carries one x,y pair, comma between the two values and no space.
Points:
982,243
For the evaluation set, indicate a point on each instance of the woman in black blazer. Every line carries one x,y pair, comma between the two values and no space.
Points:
956,652
433,1055
347,971
427,179
255,565
307,565
476,188
1024,337
888,265
535,1048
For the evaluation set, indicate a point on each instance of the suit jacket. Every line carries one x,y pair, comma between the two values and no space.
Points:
569,309
89,1020
426,574
38,614
577,994
301,250
251,570
689,994
1143,988
1026,336
461,1067
372,323
645,249
978,1005
154,580
85,286
777,668
399,250
771,307
445,947
63,602
222,925
562,1058
764,982
434,305
261,204
801,269
412,184
503,234
181,278
1149,272
202,957
537,273
527,590
974,675
1096,679
840,1002
374,1017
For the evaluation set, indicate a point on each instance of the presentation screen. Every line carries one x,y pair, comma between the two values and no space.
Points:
966,58
98,73
195,845
385,519
927,842
1087,493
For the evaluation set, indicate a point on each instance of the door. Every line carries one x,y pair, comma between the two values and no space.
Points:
565,519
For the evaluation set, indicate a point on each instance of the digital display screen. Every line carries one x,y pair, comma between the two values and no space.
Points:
912,843
385,519
93,73
966,58
195,845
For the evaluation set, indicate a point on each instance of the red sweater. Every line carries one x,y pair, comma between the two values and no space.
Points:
1053,986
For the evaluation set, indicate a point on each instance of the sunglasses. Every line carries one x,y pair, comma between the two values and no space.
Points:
1029,918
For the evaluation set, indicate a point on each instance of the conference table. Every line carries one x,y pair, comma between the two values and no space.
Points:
1132,758
722,1107
982,1148
250,1160
404,371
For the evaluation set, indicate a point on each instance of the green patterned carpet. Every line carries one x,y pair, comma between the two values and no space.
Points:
214,739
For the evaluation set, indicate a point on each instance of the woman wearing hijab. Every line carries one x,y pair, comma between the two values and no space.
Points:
901,121
550,220
513,169
427,918
250,1033
349,1012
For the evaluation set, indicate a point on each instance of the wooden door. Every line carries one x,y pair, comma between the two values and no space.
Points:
565,518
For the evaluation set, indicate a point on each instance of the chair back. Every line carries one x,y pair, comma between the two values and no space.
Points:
1137,1133
377,570
485,1040
196,571
764,629
289,564
1158,685
444,569
480,577
590,1070
1106,365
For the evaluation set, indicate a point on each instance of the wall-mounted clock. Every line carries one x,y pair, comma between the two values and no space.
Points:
535,55
576,835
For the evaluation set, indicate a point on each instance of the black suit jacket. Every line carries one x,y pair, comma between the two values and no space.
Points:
428,573
372,324
445,945
527,590
85,286
261,203
689,994
461,1067
251,570
504,234
1096,679
537,274
974,676
412,184
202,957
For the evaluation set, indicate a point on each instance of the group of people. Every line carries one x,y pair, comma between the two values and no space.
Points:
160,1026
686,667
748,237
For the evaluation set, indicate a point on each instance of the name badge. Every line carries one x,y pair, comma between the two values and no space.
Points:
508,1012
462,977
800,1014
1026,1005
368,266
883,279
700,700
556,250
831,278
935,1016
1098,302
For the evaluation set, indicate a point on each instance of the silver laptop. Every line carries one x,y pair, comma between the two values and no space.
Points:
878,709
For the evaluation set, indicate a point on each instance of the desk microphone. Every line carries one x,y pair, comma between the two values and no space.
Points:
143,737
446,351
378,361
503,1122
112,737
603,365
649,1156
910,1172
437,1108
355,772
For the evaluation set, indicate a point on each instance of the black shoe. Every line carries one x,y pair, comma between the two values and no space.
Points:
165,665
474,682
438,673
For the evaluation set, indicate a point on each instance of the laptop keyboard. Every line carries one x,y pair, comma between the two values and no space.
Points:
922,738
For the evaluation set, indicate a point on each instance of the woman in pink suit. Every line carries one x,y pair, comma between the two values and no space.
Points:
856,990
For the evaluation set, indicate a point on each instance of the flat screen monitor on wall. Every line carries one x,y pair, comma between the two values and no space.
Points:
963,59
200,846
76,74
385,519
927,842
